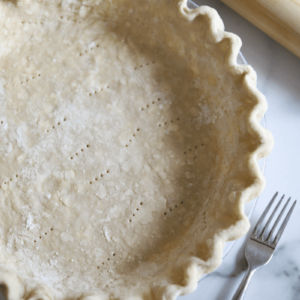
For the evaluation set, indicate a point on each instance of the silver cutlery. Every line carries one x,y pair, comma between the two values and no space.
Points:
261,244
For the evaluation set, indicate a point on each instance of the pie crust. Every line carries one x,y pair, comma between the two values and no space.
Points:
129,141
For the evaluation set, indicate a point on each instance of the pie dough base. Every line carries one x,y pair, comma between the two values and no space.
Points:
129,141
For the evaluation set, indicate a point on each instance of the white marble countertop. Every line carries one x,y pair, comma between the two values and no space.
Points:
278,72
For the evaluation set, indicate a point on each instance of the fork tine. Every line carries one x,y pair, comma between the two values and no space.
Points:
277,221
271,217
282,227
254,233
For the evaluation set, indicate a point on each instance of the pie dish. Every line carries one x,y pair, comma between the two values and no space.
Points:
129,141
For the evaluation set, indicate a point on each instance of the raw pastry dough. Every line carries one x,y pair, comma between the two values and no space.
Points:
128,146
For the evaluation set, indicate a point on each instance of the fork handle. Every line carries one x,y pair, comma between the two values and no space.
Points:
239,294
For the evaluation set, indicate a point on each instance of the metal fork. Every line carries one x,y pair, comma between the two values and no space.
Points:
259,248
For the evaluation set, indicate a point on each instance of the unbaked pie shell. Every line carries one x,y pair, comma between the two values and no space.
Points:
129,142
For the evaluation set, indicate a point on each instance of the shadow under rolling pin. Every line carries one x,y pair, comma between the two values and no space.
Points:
280,19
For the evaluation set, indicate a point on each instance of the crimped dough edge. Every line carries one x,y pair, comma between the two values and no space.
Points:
192,267
196,267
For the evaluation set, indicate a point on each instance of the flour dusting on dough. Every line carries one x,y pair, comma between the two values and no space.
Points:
122,133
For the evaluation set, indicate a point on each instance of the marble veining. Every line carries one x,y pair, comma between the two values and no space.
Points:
278,72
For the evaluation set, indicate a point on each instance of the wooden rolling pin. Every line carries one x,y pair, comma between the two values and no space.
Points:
280,19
